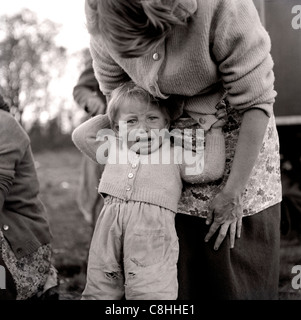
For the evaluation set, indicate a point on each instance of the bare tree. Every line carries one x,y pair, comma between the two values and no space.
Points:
29,59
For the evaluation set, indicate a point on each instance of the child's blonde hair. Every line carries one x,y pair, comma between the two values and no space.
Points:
134,27
130,91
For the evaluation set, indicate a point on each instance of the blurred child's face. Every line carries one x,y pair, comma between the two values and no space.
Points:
141,118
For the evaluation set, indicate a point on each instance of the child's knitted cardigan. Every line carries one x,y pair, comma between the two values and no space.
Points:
158,184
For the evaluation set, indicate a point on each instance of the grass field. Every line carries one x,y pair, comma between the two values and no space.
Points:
59,172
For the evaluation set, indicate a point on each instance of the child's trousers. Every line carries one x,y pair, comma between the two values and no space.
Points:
133,253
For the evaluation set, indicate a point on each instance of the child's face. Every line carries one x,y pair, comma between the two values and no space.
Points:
143,118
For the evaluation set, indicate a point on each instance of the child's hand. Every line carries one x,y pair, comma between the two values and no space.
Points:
221,115
95,106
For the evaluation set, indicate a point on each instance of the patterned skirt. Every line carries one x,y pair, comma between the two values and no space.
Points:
33,274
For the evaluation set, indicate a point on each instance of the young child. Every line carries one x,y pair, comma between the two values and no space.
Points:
134,249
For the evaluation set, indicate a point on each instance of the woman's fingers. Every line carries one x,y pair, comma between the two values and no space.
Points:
221,113
211,231
238,227
225,214
221,235
232,234
221,105
235,231
221,116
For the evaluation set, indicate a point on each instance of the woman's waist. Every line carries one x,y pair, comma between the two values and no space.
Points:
263,188
201,110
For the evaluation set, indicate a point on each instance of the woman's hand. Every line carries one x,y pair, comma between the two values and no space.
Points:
222,117
95,106
226,212
226,207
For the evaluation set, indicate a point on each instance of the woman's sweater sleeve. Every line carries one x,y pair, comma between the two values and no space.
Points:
241,47
86,86
107,72
209,163
13,145
90,135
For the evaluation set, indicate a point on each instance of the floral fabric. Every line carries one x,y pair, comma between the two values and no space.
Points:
264,186
31,272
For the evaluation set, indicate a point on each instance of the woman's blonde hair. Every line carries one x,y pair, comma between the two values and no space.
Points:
134,27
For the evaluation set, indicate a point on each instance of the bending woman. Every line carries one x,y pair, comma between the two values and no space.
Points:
200,52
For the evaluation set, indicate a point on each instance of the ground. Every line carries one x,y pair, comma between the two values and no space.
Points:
59,172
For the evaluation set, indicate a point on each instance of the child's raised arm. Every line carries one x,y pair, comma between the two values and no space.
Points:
90,135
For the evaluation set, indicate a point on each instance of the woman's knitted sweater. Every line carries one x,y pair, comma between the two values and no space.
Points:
224,49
